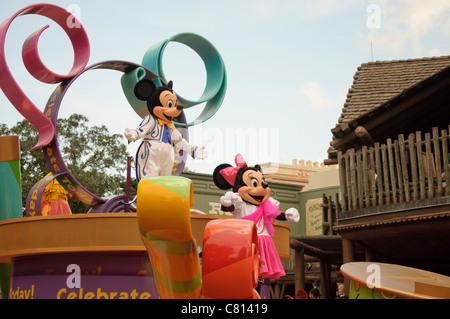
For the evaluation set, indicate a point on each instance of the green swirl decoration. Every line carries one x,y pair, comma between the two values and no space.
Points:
216,81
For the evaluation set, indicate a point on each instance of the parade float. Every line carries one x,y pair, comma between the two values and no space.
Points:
154,247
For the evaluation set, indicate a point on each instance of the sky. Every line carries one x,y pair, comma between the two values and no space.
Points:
289,64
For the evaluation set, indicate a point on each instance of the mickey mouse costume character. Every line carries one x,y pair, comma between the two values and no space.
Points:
155,156
250,200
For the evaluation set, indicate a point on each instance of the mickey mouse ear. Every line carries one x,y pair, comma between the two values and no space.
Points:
144,89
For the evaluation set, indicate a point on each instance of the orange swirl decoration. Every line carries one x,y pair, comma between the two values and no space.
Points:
230,259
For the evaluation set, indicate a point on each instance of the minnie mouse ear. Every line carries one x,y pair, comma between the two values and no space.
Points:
144,89
219,180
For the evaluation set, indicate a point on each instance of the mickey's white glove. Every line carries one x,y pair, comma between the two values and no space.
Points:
131,135
195,151
199,152
231,198
292,215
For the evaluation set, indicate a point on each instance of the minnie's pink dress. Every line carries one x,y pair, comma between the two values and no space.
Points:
264,216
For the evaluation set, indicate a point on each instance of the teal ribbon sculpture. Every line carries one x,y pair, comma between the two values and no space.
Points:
216,81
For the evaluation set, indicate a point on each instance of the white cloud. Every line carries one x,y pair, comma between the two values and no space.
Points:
406,23
318,99
435,52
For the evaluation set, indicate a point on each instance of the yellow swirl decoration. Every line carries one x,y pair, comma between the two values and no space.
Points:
163,214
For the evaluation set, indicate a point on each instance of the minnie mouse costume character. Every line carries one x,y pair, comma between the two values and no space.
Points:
155,156
250,200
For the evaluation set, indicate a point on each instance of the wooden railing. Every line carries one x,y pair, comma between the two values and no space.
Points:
329,214
403,170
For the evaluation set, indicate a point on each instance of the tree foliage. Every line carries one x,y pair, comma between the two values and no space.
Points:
94,156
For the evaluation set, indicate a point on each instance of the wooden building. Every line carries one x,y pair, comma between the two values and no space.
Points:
392,145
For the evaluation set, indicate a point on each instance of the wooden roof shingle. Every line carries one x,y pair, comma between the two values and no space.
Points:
377,82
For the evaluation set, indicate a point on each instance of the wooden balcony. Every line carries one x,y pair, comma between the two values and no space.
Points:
410,172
